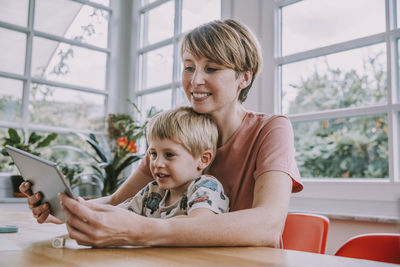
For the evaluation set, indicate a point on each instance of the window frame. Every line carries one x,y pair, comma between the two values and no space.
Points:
369,199
27,79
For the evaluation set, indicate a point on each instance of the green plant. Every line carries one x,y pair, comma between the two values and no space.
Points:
109,165
72,173
110,156
354,147
33,144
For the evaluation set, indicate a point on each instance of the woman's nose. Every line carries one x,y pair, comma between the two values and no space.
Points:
197,78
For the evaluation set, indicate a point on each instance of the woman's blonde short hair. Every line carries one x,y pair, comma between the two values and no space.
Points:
196,132
226,42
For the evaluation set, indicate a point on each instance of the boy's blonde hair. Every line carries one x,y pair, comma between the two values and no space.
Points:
226,42
196,132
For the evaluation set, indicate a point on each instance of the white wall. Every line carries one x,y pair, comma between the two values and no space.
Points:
342,230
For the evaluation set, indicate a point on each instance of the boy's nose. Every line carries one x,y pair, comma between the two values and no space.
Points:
159,162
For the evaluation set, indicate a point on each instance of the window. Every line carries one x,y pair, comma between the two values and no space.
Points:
54,65
161,25
337,73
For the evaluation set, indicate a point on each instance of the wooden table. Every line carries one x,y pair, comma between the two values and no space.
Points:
32,246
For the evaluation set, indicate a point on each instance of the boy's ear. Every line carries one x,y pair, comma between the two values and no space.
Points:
205,160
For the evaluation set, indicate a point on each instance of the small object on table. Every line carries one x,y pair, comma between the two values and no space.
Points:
58,242
8,229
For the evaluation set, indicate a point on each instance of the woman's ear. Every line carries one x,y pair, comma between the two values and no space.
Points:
245,79
205,160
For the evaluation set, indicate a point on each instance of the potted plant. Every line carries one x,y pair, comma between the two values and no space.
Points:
33,144
112,155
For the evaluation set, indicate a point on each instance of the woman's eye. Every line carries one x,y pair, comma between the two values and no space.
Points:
211,69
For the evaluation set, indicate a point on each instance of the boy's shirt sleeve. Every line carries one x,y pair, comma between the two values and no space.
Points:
207,192
136,203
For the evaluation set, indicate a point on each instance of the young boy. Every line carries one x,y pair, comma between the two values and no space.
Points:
182,144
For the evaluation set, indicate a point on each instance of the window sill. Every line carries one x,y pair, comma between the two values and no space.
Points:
361,200
348,217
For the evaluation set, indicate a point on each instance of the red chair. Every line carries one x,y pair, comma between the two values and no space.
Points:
383,247
305,232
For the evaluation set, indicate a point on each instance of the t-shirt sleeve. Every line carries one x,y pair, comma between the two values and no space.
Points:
135,204
207,192
276,151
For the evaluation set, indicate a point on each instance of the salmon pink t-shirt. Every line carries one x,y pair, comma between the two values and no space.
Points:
262,143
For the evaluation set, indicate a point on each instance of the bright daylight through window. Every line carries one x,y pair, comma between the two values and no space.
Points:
334,64
53,67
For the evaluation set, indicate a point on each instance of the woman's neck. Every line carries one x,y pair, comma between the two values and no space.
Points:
229,123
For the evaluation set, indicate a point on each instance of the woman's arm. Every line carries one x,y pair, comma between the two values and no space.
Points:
261,225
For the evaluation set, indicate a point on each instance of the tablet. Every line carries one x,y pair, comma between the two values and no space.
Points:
44,176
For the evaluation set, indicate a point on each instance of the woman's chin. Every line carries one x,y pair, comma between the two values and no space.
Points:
202,109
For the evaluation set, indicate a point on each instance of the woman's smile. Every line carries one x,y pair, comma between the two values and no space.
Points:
199,96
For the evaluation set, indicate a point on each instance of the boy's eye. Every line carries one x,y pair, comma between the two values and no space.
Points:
153,154
189,69
169,155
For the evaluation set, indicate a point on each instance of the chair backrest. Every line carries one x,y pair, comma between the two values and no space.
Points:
305,232
383,247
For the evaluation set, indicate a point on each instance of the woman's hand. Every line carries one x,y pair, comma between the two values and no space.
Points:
41,211
98,225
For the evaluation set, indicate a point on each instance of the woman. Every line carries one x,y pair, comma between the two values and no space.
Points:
254,161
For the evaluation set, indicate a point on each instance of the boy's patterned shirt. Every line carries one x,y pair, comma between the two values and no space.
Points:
204,192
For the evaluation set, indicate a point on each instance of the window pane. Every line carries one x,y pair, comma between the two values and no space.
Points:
160,23
349,79
314,23
12,51
398,69
160,101
72,20
62,154
181,98
10,100
398,13
157,67
196,12
15,12
55,106
68,64
343,148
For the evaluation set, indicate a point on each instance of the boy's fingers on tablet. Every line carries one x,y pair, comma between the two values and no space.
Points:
52,219
38,210
25,188
43,216
33,200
